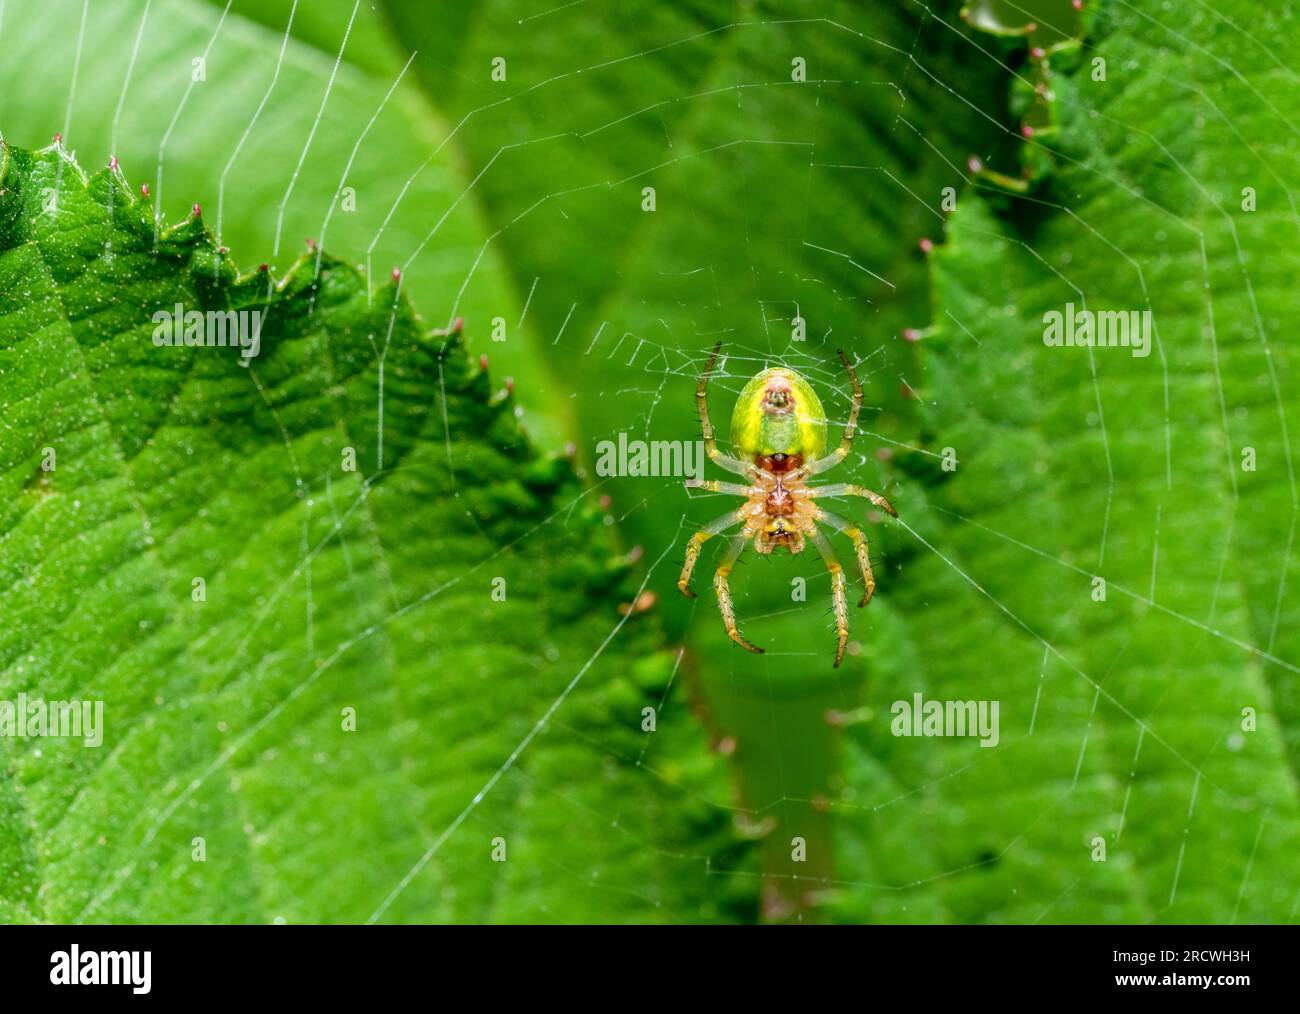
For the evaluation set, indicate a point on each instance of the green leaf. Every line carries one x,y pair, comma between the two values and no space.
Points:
771,198
461,598
1122,720
232,142
775,199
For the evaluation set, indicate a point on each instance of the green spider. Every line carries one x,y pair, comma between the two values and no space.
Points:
778,431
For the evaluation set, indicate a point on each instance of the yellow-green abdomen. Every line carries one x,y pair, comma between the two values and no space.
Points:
778,413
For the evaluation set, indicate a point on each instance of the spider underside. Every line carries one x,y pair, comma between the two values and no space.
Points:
780,509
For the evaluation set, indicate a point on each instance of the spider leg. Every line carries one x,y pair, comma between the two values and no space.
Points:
714,527
714,486
848,489
734,549
860,549
850,427
710,443
837,591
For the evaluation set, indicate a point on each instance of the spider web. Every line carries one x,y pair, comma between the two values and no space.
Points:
897,830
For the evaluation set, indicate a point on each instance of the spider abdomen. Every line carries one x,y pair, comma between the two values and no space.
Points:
779,422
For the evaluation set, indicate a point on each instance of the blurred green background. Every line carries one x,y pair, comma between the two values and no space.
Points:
800,155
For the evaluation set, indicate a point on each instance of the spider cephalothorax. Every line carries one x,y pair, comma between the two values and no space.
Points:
778,433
